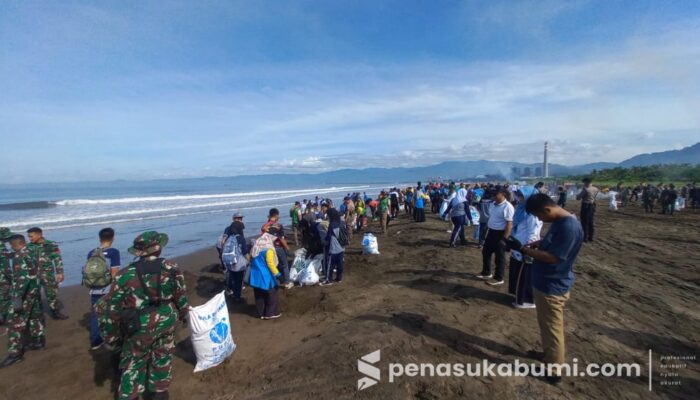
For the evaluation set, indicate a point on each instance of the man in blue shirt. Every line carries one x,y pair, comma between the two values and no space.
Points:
111,254
552,273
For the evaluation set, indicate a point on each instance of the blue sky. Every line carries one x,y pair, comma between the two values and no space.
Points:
153,89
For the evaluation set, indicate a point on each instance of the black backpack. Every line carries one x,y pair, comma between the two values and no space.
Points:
343,235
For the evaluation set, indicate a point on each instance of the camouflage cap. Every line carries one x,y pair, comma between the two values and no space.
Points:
5,234
148,243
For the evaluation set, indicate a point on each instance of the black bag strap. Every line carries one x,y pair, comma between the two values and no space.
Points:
139,274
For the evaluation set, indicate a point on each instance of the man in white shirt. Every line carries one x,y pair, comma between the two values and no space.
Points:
500,226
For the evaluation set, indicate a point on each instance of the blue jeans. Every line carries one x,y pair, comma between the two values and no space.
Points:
482,229
336,261
95,338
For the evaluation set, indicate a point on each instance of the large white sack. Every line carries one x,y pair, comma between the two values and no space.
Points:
370,244
309,276
211,333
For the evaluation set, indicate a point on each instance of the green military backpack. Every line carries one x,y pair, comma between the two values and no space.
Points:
98,272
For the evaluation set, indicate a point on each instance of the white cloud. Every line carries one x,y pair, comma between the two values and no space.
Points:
531,17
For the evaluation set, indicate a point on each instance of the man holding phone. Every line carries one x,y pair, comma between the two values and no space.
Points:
552,272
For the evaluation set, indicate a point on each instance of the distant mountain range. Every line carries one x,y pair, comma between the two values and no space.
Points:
686,155
460,170
476,169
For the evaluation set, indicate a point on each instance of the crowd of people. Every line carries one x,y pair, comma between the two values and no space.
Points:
667,197
135,309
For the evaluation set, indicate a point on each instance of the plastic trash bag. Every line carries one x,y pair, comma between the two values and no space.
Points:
680,204
309,276
475,215
613,201
316,263
298,265
443,208
370,244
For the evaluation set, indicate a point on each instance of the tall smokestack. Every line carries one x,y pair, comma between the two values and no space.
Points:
545,169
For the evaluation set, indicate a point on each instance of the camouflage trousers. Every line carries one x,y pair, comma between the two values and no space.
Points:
4,300
146,369
26,323
47,278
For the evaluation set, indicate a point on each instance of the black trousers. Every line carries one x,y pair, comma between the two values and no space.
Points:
394,209
668,208
420,214
234,282
587,214
458,229
520,281
266,302
494,245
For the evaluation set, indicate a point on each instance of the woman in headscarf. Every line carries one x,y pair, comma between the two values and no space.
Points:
526,229
263,274
458,210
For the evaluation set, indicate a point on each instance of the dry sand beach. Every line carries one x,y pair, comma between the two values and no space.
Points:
637,289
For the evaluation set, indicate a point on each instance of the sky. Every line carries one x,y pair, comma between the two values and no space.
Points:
167,89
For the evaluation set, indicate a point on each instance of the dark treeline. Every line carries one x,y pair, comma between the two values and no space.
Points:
663,172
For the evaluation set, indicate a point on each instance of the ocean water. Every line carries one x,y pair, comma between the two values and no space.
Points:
193,212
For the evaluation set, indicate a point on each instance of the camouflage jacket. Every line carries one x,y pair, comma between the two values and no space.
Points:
5,273
127,292
48,255
23,274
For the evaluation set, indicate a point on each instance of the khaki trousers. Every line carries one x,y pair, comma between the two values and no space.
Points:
550,316
385,222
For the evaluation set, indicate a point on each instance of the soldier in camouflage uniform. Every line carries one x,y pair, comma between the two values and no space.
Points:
5,278
50,262
26,318
155,289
